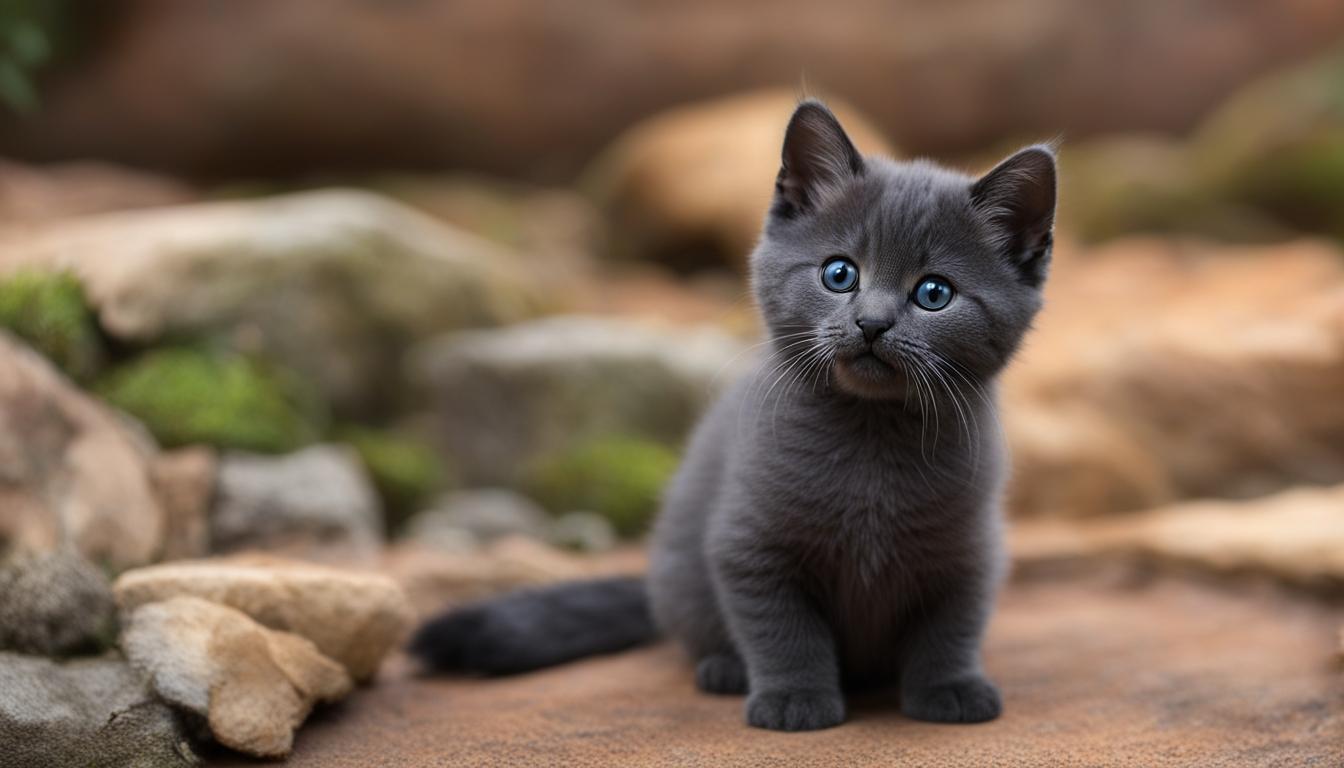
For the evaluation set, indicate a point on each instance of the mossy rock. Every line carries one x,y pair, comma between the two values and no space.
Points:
49,311
406,471
619,478
190,396
1278,146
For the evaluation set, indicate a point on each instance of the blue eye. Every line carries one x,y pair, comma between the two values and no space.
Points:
840,275
933,293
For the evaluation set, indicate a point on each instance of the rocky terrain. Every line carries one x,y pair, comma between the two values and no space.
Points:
248,440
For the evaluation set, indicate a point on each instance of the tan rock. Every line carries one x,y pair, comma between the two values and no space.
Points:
184,482
699,179
335,283
72,472
355,618
1165,370
1295,537
253,685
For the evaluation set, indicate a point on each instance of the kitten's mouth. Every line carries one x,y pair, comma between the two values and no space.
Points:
868,375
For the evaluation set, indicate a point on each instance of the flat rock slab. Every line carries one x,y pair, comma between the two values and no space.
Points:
1167,673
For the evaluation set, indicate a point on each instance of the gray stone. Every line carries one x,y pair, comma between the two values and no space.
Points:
91,712
54,604
485,514
584,531
319,496
509,396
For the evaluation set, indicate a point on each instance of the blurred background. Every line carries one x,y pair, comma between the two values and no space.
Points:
440,287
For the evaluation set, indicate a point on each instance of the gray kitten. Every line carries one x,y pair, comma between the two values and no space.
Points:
835,524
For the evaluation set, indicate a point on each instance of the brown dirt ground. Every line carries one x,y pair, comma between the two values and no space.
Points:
1166,672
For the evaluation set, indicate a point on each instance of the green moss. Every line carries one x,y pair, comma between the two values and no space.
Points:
187,396
620,478
406,471
49,311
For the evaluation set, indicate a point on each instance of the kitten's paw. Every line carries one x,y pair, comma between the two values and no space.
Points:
721,673
795,710
973,700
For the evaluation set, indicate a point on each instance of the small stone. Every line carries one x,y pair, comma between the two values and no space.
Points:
319,496
54,604
254,686
487,514
584,531
355,618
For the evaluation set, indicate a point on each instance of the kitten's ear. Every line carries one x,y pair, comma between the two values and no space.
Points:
817,161
1017,198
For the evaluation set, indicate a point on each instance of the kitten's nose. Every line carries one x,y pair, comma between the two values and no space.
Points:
872,327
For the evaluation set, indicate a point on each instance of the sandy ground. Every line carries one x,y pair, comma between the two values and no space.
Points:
1166,672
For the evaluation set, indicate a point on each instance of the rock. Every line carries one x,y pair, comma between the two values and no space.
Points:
254,686
31,193
433,578
1295,537
184,482
498,86
690,187
335,283
584,531
54,604
84,713
72,473
319,496
1274,147
1126,184
509,396
485,513
355,618
1222,383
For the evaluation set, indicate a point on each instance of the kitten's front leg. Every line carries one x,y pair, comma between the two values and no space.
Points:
941,678
792,669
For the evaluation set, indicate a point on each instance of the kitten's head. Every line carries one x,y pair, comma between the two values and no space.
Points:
884,273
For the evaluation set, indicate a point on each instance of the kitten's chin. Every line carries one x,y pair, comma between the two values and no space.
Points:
869,377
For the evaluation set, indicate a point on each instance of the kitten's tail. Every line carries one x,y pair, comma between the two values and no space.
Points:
538,628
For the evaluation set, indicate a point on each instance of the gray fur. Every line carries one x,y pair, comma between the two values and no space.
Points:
835,523
836,520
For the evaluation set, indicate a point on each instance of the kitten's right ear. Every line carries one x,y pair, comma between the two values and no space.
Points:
817,161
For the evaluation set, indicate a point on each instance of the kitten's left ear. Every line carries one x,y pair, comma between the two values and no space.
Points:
1017,198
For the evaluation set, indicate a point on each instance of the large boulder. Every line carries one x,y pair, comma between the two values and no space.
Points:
355,618
690,187
1164,370
334,284
84,713
510,396
254,686
512,86
318,497
72,472
1295,537
54,604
